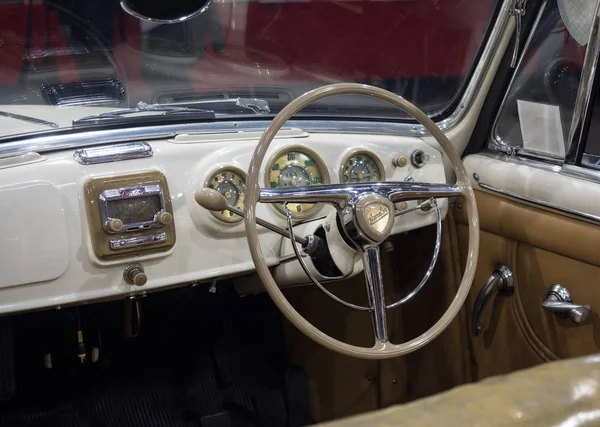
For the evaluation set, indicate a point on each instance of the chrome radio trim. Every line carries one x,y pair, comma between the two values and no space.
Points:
135,242
131,193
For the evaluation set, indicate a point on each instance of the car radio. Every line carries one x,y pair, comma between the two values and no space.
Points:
129,215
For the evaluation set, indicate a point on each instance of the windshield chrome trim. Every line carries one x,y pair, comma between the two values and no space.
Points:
500,27
52,142
583,102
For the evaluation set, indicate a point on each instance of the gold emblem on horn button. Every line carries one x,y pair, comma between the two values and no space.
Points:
378,216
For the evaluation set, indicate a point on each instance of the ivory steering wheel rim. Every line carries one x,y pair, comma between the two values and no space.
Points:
381,350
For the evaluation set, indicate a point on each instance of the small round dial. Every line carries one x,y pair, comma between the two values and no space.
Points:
362,166
297,167
231,183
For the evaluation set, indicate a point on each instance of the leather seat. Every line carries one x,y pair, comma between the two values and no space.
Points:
563,393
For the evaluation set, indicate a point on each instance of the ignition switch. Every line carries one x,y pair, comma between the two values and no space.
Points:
419,158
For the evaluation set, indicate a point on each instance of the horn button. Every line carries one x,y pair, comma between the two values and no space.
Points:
373,217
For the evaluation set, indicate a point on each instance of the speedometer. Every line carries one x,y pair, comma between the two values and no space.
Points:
231,183
296,167
362,166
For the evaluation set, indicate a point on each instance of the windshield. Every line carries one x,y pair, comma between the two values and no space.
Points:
64,60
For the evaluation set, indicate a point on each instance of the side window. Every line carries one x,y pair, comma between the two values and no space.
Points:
536,115
591,154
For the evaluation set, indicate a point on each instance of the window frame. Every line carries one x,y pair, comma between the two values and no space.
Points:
588,88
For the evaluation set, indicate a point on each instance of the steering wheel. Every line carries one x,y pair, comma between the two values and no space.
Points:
368,212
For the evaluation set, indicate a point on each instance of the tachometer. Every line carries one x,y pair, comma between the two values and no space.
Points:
231,183
361,166
296,167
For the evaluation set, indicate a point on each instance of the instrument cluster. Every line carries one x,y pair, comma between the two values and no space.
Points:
294,166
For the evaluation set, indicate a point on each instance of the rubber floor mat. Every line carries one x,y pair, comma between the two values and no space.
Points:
200,359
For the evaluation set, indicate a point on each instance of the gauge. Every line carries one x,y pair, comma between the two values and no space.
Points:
231,183
361,166
135,209
296,167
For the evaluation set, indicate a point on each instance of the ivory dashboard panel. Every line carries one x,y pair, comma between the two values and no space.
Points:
48,254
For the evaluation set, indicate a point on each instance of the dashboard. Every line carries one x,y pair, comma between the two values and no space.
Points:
110,221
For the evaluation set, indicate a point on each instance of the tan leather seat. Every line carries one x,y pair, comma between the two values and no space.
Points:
564,393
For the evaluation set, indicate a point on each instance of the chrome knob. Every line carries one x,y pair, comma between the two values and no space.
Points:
114,225
134,274
164,218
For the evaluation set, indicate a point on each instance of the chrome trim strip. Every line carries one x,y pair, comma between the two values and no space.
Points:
580,173
496,142
45,142
487,56
573,171
523,161
136,242
576,142
113,153
538,202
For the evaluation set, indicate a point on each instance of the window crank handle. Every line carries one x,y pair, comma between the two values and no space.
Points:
558,301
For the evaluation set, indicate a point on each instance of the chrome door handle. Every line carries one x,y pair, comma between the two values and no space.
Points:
558,301
500,282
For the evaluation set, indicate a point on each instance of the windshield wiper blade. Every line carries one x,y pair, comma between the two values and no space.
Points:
258,106
143,107
28,119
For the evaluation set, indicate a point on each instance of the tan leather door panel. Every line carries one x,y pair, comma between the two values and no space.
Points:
541,248
537,269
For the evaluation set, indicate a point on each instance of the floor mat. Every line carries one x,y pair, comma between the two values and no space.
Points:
201,359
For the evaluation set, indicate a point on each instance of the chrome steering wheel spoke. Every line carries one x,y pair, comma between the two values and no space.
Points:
374,280
342,194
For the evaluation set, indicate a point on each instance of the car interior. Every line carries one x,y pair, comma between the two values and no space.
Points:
299,212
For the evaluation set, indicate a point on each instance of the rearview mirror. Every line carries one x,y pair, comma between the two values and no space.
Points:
165,12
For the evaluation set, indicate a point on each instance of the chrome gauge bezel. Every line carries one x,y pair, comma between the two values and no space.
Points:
321,166
361,151
224,169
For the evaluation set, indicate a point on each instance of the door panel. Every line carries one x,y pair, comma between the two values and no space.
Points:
504,345
541,248
537,269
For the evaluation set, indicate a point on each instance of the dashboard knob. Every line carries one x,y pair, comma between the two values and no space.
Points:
400,161
211,199
134,274
164,218
114,225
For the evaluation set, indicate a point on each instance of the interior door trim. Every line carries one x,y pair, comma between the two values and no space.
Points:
538,202
561,189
